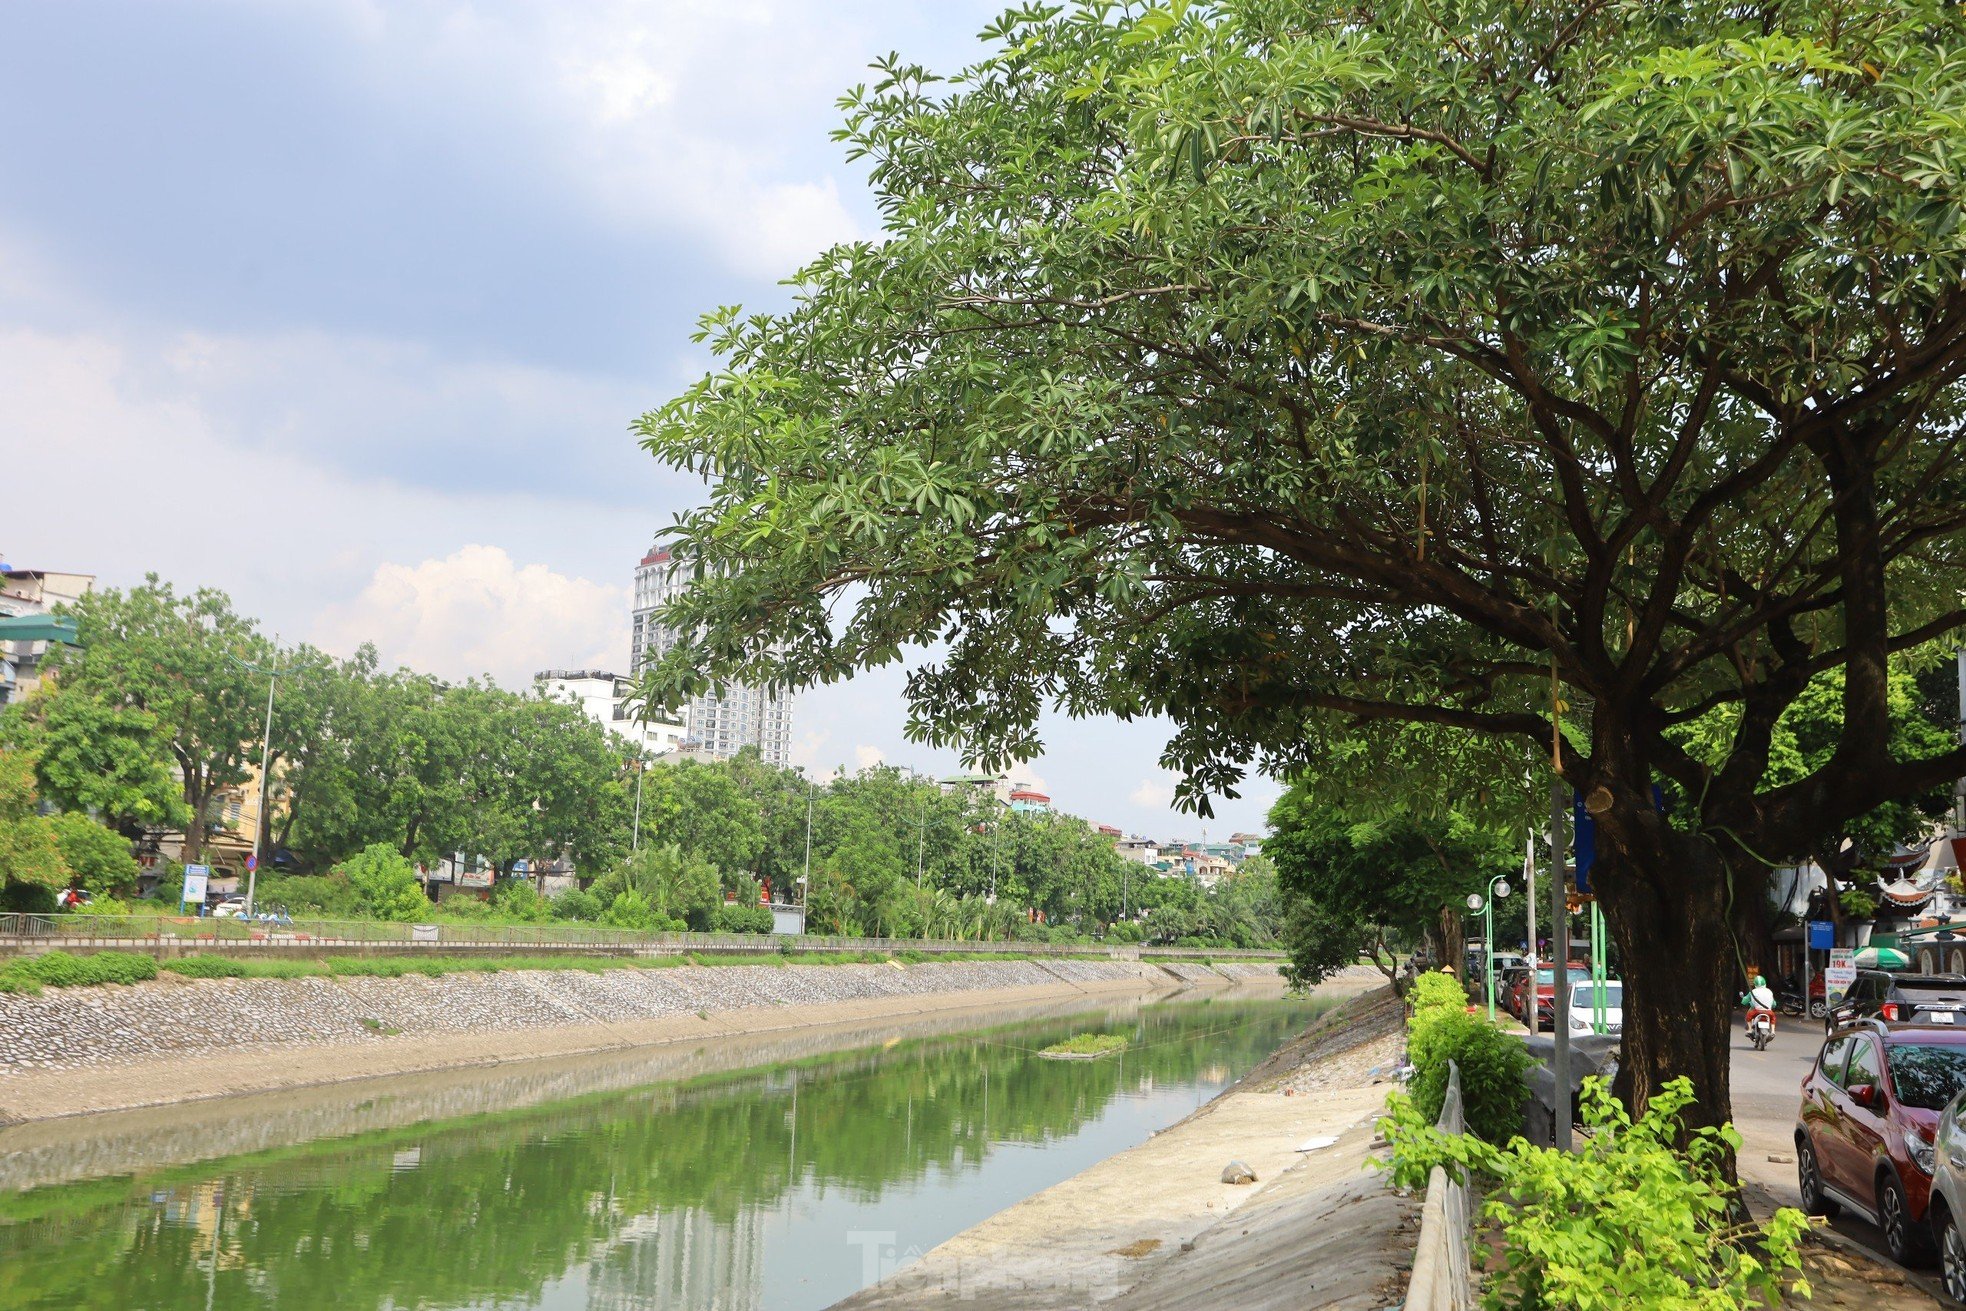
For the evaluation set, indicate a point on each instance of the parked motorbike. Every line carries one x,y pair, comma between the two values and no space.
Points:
1790,1001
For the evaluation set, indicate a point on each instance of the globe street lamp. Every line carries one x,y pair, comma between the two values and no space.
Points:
1497,887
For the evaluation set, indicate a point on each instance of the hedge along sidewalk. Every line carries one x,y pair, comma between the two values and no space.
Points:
29,974
159,932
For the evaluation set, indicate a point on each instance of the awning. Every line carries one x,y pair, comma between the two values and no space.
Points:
38,628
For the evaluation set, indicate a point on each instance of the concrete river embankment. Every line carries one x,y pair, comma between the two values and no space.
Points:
787,1186
85,1050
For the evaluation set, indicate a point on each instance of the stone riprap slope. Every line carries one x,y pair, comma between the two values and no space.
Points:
76,1028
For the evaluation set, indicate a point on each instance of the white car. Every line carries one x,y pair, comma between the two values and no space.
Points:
230,908
1582,1003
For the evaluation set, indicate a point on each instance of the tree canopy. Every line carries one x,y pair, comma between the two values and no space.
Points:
1554,371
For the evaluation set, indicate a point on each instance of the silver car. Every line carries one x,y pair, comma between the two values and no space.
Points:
1946,1210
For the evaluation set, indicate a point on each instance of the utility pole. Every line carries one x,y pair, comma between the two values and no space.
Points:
265,783
641,768
1559,970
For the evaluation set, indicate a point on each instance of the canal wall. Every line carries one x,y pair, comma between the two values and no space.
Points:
81,1051
1160,1228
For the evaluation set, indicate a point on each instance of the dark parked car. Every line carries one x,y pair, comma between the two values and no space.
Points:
1870,1113
1886,995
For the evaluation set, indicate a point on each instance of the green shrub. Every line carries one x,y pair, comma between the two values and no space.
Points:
329,896
1494,1069
206,967
27,898
578,904
743,919
102,906
1629,1219
519,902
1436,991
58,969
386,884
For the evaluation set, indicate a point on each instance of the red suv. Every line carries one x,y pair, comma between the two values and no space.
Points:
1870,1112
1545,993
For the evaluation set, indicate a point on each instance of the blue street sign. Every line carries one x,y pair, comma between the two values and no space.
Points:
1584,841
1822,935
252,863
521,867
1584,835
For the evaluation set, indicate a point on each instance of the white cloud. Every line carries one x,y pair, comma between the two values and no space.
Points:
1155,793
866,757
713,118
399,410
107,476
475,611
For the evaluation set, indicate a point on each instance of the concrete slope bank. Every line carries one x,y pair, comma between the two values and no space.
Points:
85,1050
1155,1228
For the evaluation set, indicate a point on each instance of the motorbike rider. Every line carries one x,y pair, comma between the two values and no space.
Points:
1760,1000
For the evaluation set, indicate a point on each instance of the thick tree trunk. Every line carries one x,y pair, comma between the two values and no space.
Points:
1665,899
1754,925
196,797
1450,943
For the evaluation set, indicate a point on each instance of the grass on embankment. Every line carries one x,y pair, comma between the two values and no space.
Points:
58,969
1086,1044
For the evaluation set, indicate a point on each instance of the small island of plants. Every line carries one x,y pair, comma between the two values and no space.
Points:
1085,1047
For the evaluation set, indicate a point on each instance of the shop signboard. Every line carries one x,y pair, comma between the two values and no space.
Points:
194,885
1842,972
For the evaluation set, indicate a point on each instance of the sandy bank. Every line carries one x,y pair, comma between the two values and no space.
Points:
1155,1229
88,1051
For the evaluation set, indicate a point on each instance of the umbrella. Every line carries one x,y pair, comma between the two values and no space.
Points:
1881,958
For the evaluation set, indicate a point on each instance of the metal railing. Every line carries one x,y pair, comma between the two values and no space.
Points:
165,931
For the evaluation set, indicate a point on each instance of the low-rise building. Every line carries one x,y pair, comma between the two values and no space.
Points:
604,698
28,624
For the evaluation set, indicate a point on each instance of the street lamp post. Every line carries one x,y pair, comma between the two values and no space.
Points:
641,768
265,783
1497,887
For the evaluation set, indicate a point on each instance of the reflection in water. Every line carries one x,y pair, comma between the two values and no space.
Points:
788,1187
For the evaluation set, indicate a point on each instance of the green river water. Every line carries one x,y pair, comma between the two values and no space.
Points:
784,1188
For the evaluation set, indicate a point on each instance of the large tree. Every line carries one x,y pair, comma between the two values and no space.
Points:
179,670
1359,885
1552,370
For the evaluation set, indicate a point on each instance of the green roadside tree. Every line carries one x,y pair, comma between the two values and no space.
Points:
1543,371
97,858
677,887
95,755
703,809
178,663
1803,740
1375,882
31,865
386,883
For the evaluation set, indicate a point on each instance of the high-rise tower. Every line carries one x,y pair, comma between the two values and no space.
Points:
719,723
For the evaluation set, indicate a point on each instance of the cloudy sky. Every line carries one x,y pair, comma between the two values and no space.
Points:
345,306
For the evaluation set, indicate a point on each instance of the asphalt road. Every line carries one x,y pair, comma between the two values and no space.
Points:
1767,1093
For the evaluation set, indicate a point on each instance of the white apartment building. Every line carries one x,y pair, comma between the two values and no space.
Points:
603,697
722,723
